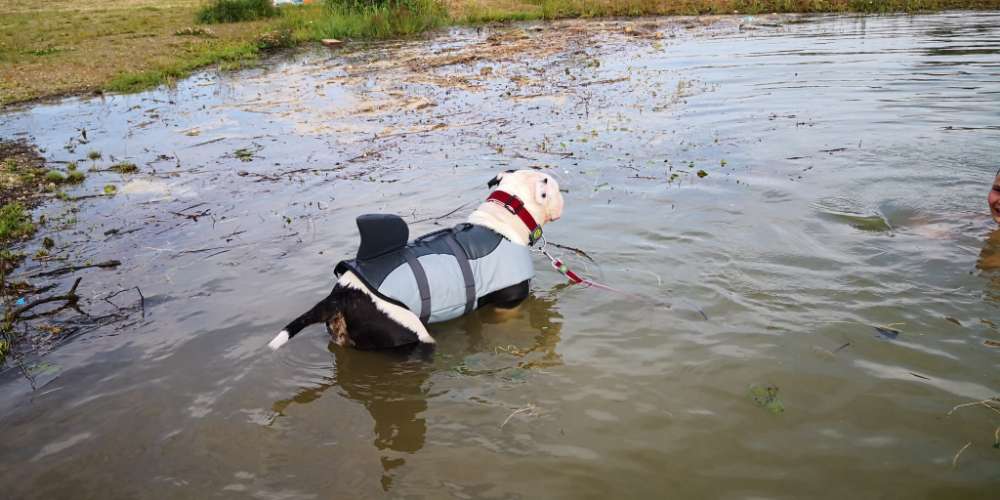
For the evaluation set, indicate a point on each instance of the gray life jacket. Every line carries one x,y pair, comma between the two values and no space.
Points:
438,276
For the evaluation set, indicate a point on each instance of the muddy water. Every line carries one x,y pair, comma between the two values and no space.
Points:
847,164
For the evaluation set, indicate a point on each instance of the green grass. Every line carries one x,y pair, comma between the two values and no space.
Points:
125,167
55,176
483,11
364,21
228,55
50,49
232,11
15,223
75,177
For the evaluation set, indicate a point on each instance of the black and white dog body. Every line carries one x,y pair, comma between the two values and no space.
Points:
385,297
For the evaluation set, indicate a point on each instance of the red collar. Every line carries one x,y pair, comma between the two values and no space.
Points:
514,205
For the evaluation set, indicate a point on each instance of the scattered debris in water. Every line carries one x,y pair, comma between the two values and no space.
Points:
954,461
886,333
767,397
530,410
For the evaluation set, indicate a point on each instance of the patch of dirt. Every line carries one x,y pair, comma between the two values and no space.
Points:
22,174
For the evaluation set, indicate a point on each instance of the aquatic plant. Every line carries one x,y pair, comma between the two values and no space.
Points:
75,177
124,167
244,154
55,176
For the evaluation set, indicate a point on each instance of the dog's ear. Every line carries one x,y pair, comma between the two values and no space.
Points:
548,196
496,180
541,190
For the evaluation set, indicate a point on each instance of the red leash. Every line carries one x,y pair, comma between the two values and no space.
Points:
515,205
563,269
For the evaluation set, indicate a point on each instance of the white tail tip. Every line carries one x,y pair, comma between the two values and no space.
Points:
280,340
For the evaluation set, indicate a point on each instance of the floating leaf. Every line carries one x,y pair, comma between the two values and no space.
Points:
886,333
767,397
44,368
516,374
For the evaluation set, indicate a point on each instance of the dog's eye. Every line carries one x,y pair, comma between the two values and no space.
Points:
543,195
546,181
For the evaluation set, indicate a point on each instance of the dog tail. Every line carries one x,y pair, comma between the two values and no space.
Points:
320,313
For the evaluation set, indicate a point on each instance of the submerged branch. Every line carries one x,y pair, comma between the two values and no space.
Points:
66,270
70,297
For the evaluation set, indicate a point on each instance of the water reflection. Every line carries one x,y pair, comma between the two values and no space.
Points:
989,257
393,387
507,332
989,264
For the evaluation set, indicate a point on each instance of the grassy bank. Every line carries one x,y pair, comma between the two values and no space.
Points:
478,11
65,46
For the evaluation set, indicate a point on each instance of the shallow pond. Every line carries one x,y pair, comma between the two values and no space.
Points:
847,160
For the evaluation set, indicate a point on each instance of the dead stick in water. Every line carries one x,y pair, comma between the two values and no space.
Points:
443,216
66,270
142,299
984,402
577,250
954,461
71,298
522,410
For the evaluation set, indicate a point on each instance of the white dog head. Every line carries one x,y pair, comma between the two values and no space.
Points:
539,192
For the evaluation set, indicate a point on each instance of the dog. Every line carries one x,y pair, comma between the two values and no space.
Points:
393,288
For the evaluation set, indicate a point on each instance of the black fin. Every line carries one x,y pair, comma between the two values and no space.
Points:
381,234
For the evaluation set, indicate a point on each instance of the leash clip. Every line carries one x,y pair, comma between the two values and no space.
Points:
558,264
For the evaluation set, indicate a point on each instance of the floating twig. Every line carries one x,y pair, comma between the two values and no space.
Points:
194,217
954,461
66,270
70,297
445,215
196,205
984,402
529,408
579,252
142,299
595,82
88,196
555,153
438,126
